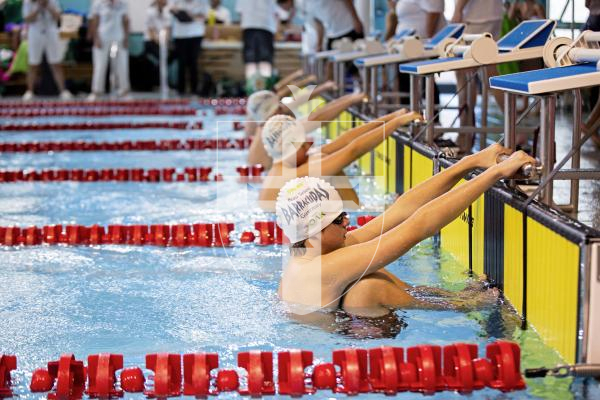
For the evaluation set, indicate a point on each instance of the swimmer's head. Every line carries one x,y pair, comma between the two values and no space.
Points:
308,207
261,105
285,140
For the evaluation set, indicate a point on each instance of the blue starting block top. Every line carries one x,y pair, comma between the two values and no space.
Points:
527,34
449,31
546,80
413,67
404,33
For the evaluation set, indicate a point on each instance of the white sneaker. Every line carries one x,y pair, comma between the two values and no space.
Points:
126,96
28,96
92,97
66,95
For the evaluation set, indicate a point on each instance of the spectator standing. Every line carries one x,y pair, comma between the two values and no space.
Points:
158,18
426,17
335,19
42,17
109,24
259,24
188,31
218,14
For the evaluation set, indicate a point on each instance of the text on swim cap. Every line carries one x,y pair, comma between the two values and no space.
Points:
294,209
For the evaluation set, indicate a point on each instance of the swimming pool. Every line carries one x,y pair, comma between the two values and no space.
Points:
140,300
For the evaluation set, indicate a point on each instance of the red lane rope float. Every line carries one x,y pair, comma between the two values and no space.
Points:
352,371
100,103
95,112
189,174
139,145
182,235
80,126
230,110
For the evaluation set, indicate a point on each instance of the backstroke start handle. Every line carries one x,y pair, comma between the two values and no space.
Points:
528,171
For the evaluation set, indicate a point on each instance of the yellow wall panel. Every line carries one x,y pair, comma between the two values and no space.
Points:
391,171
552,288
380,165
422,168
513,257
454,237
407,168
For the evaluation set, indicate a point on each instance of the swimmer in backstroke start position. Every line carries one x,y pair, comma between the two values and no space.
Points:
332,268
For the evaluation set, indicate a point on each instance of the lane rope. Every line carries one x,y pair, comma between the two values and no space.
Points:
138,145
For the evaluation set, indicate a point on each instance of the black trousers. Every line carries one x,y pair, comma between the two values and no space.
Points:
187,51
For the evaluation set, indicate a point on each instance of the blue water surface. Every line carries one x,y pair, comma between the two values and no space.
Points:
140,300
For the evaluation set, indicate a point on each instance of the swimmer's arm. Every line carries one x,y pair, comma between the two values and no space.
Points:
257,153
348,264
423,193
286,80
294,105
351,134
334,163
286,91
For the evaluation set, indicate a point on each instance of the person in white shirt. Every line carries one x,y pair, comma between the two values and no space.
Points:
158,18
259,24
479,16
220,13
335,19
42,18
426,17
188,31
109,25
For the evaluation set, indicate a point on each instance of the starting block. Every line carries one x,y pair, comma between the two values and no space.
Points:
403,47
574,65
525,42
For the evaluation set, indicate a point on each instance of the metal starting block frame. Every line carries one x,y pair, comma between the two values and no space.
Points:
526,41
341,46
573,67
404,47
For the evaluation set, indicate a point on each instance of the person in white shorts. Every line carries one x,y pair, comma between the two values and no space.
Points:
479,16
110,25
259,24
42,18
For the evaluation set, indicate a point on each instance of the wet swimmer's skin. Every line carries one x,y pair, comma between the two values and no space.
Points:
264,104
286,142
330,267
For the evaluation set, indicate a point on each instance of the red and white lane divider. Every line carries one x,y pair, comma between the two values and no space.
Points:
230,110
190,174
426,369
265,233
138,145
84,126
99,103
94,112
183,235
228,101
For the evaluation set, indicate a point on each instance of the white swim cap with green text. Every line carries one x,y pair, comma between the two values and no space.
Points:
261,105
282,136
305,206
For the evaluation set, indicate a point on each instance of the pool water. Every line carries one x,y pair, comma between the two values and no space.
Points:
140,300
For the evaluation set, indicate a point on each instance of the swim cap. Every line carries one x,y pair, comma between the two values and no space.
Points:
305,206
282,136
261,105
